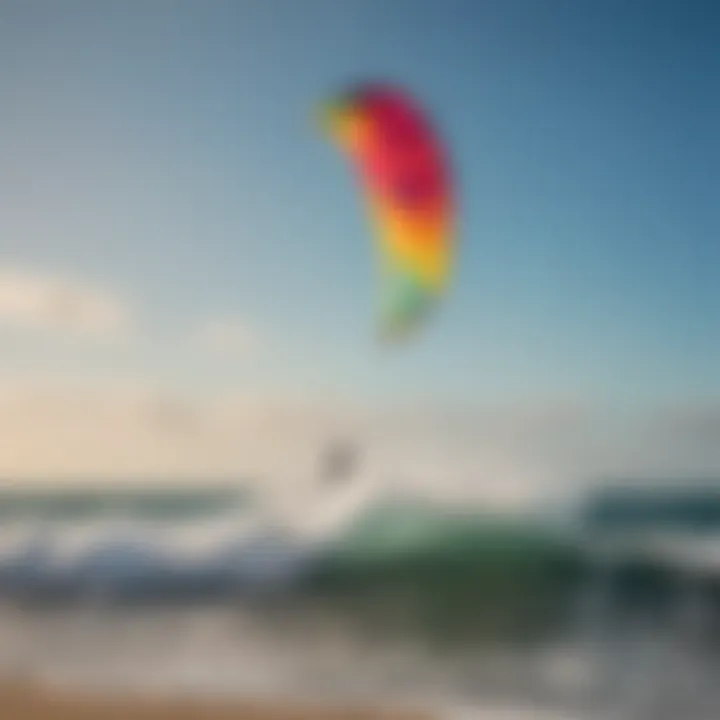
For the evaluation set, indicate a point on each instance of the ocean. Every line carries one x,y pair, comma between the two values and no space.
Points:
399,602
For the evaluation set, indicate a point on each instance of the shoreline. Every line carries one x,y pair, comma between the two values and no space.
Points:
22,700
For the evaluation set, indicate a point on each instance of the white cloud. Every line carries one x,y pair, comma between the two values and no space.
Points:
227,337
47,304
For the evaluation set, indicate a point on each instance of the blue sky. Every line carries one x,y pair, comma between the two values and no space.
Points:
167,150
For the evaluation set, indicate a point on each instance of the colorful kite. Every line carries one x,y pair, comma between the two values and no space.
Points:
405,174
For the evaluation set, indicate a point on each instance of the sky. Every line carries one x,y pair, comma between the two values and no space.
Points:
179,244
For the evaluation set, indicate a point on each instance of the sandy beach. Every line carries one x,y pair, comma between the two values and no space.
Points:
21,701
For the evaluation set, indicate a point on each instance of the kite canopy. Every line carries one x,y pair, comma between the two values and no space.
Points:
405,175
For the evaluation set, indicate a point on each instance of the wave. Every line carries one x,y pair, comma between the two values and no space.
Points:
414,561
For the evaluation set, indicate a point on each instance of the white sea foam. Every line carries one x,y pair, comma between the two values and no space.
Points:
236,651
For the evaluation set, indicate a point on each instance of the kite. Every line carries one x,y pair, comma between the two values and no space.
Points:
404,172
